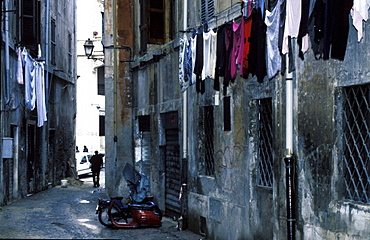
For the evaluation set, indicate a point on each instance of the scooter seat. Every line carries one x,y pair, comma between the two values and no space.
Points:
117,198
141,206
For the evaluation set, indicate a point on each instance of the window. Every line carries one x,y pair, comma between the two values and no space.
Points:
53,41
207,10
356,142
102,125
265,145
101,81
30,25
227,114
157,22
69,53
142,145
144,123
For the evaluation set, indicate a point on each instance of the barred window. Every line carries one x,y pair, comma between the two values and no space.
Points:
206,141
356,142
265,145
208,144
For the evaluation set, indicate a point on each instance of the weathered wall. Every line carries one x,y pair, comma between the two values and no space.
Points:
118,88
40,154
323,214
229,204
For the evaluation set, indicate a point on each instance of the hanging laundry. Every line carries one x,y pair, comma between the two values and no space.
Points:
272,39
328,28
29,80
340,29
237,48
20,64
303,38
193,57
246,48
182,45
257,59
220,57
188,65
209,54
292,22
229,35
359,14
40,94
199,61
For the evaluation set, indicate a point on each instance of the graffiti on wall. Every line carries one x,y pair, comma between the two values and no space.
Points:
228,159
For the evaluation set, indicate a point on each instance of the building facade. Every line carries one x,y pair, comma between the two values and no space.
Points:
216,149
90,120
38,95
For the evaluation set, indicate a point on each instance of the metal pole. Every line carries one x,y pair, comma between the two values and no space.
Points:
290,198
289,161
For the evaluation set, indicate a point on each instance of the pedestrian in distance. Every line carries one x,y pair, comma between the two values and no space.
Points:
96,164
85,149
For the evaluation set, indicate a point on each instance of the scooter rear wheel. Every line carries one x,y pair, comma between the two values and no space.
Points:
158,212
104,217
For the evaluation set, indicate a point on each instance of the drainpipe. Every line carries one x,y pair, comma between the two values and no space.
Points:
289,160
115,87
185,99
183,219
47,26
7,65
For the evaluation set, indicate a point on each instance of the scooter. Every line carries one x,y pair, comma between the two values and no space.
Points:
140,211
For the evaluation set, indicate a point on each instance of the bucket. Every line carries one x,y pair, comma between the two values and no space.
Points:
64,183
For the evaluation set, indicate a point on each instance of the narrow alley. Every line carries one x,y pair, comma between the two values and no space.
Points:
69,213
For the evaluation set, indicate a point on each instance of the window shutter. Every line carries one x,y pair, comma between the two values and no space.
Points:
207,10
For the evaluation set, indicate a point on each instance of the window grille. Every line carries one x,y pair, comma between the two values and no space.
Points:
207,10
206,143
209,148
356,143
265,145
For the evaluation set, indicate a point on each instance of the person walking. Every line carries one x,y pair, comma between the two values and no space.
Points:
96,164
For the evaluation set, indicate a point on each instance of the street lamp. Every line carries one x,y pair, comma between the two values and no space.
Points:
89,47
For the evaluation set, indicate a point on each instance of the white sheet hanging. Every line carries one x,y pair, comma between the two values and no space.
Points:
40,94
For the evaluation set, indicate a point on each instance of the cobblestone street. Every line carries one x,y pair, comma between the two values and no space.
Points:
66,213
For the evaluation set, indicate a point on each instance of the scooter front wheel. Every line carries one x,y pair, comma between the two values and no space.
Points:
104,217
